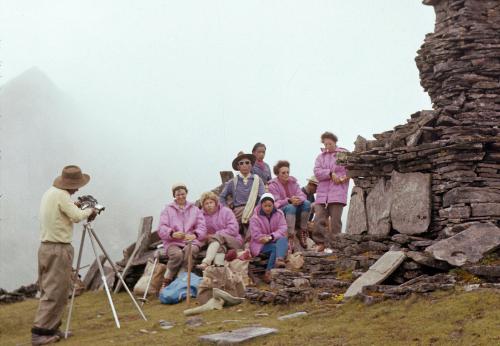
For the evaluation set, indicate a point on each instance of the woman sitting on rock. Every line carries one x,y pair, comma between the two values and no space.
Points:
222,228
180,222
268,234
290,199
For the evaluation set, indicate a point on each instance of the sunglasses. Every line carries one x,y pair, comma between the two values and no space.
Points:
241,163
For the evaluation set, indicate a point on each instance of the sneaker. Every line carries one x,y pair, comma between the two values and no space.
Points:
320,247
43,339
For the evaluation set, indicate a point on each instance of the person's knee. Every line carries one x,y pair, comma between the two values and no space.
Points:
290,209
175,256
306,206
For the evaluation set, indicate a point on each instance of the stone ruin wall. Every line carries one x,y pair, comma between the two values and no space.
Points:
430,188
439,173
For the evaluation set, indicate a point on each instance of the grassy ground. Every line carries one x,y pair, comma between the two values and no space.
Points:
443,318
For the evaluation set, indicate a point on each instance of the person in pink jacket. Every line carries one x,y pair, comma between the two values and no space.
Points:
222,228
290,199
268,234
180,222
331,195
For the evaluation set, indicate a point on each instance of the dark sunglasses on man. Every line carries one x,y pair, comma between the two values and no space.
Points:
241,163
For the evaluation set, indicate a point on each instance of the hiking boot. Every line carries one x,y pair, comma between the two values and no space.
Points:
43,339
280,263
303,239
267,277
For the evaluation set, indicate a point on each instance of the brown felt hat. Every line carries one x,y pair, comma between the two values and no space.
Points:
241,156
71,178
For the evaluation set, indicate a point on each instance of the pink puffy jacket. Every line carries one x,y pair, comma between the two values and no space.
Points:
325,165
189,220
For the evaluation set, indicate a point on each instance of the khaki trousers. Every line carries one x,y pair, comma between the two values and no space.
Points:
324,229
55,262
178,258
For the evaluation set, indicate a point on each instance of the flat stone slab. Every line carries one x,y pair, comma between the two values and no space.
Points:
377,273
356,217
471,195
291,316
237,336
378,209
411,202
468,246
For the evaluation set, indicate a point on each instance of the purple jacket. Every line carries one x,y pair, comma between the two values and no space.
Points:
327,191
263,172
223,222
260,225
279,193
189,220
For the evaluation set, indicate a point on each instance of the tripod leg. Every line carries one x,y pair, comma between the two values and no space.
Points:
78,261
103,276
117,273
149,282
188,289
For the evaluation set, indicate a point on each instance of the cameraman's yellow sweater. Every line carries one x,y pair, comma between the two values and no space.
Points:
57,215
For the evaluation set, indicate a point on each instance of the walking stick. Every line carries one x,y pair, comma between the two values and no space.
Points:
188,289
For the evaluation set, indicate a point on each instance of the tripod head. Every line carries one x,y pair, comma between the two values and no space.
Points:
89,201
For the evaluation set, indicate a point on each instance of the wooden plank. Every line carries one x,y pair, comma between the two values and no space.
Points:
141,245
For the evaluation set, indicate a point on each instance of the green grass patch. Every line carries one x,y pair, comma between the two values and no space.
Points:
441,318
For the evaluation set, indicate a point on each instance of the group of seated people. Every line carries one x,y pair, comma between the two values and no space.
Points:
255,213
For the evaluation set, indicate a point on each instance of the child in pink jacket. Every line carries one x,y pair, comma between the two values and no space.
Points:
268,234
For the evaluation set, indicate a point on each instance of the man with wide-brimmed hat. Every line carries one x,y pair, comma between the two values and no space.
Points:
55,255
245,189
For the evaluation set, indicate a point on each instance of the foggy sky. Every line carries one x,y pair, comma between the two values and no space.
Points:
167,91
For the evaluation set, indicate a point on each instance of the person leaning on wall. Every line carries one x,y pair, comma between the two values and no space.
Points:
331,194
55,254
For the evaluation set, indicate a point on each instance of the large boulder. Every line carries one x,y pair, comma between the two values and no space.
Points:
356,217
378,209
411,202
468,246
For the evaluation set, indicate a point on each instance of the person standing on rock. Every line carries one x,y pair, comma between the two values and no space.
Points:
55,254
331,194
291,200
268,234
180,222
261,168
245,189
